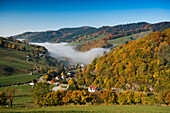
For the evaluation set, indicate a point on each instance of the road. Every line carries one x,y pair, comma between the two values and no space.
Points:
60,87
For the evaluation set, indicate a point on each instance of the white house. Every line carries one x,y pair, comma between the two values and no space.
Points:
68,73
82,65
92,89
57,78
63,77
31,84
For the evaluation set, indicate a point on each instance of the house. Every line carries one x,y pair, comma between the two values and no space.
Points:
68,74
28,55
63,77
92,89
33,82
56,78
82,65
41,55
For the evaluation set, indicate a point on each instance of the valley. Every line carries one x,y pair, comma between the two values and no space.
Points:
134,70
84,56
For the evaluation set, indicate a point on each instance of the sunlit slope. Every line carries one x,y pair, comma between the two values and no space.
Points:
20,57
138,65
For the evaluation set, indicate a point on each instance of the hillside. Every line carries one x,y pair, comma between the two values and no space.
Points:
62,35
21,57
141,65
94,37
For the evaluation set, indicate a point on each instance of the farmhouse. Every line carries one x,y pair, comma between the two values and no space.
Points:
28,55
92,89
33,82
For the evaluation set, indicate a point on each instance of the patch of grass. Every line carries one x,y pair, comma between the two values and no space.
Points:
64,86
23,96
122,40
14,58
96,109
87,40
22,78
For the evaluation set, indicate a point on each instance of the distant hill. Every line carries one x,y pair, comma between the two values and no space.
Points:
86,38
141,65
62,35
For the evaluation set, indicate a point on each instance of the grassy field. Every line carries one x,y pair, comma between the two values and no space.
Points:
23,96
122,40
87,40
95,109
14,58
17,78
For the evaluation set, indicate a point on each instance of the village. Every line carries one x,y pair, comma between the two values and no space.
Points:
65,79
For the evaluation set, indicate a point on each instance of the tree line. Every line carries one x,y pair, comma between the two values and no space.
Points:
43,97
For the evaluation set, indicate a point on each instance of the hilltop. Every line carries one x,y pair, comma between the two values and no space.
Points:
142,65
86,38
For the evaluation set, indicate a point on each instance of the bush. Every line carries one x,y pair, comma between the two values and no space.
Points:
40,91
3,98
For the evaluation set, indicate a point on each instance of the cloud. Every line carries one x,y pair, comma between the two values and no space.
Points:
63,50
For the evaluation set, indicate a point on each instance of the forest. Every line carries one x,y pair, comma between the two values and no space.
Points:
142,65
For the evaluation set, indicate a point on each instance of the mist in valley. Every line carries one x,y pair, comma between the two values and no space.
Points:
63,50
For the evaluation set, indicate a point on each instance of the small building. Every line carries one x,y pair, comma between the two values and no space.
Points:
33,82
28,55
68,73
41,55
63,76
82,65
92,89
56,78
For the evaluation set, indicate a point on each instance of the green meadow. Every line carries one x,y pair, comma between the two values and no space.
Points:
122,40
94,109
17,78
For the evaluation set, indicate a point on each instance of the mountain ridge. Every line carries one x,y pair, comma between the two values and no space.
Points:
85,35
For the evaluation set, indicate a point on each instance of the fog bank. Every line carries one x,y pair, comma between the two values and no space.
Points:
63,50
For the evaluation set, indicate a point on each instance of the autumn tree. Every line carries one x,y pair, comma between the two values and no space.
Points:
3,98
67,98
10,94
13,46
41,89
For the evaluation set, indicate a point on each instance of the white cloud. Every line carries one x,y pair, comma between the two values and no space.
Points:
62,50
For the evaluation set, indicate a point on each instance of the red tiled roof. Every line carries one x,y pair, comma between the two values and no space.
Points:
94,87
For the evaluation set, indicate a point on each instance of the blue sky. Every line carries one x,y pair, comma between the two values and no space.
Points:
18,16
